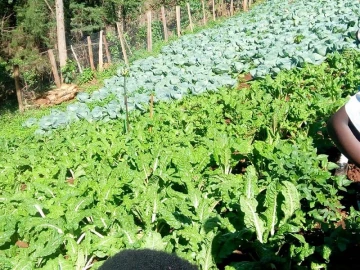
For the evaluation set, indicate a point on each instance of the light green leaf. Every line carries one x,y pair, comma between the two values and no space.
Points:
205,254
7,228
292,199
23,264
153,240
252,219
250,188
271,212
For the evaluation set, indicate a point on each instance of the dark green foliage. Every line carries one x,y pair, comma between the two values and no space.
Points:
69,71
85,19
5,82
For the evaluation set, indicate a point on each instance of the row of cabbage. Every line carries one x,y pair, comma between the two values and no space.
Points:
273,36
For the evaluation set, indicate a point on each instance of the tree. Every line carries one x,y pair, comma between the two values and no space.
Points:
122,10
60,26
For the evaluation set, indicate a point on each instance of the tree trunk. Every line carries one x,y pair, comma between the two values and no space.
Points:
61,40
121,17
18,88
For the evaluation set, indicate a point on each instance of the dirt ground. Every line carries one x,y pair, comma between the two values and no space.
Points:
353,173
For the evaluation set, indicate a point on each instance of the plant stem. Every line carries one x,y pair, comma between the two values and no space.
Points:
151,109
126,106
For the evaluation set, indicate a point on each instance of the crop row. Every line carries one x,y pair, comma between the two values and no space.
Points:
273,36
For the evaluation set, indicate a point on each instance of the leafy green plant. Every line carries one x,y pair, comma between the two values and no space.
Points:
86,76
298,39
219,172
115,46
273,215
69,71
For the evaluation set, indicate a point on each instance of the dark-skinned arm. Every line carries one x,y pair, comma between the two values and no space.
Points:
344,135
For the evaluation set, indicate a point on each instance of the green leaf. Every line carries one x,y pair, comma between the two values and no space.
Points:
153,240
46,243
272,210
332,166
61,263
7,228
299,253
250,188
292,199
107,246
326,252
23,264
251,218
207,261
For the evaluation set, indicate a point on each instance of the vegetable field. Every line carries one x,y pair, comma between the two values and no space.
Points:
271,37
237,177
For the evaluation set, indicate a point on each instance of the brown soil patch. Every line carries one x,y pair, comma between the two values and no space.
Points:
243,81
70,181
245,77
243,86
353,173
23,187
21,244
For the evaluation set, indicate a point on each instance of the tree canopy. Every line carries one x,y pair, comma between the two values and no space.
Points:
28,28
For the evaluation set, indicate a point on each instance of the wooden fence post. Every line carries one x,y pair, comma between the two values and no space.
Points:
127,46
190,20
101,62
213,10
122,44
232,8
163,18
91,56
149,31
204,15
224,8
108,56
18,88
54,68
245,5
76,59
178,25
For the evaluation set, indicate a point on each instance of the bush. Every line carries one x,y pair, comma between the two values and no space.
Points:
86,76
6,82
69,71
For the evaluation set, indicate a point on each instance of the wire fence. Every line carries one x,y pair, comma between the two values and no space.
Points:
135,33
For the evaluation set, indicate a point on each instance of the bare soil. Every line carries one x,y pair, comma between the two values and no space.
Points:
353,173
243,81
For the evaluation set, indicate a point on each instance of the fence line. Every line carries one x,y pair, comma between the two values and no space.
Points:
153,26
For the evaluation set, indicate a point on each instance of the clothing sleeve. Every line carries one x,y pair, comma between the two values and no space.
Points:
352,108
